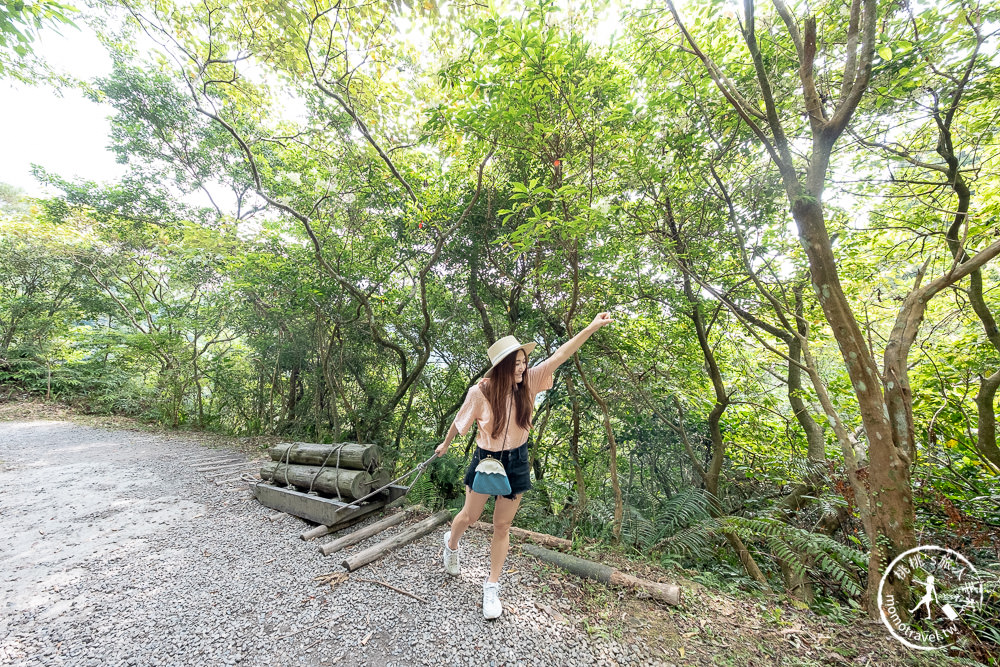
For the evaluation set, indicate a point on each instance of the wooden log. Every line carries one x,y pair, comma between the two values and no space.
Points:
414,532
352,455
380,478
339,526
367,531
350,483
669,593
538,538
323,529
313,533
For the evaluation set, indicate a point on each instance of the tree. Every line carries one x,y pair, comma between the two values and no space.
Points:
20,23
883,396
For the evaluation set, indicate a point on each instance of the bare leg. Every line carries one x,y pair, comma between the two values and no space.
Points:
471,511
503,517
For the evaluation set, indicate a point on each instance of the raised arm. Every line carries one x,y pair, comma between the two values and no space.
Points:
573,344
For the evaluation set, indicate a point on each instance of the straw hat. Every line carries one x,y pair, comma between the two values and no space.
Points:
502,348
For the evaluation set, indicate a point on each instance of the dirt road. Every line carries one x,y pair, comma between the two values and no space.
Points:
117,552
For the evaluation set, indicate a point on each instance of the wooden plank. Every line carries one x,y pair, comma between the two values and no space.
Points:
324,511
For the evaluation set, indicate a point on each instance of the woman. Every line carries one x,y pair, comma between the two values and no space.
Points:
502,404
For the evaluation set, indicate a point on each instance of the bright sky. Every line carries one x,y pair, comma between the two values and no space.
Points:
65,134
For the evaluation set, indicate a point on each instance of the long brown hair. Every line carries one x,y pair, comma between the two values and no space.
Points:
495,389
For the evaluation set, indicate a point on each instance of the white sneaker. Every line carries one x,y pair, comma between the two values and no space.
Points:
491,600
450,556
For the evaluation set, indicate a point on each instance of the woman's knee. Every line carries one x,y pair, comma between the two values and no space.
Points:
465,517
502,525
501,529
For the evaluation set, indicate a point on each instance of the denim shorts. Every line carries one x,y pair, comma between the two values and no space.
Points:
516,462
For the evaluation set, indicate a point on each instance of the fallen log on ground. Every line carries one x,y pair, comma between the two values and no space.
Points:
313,533
351,455
367,531
538,538
414,532
669,593
321,530
350,483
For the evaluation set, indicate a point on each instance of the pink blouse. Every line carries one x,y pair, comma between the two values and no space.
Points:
477,409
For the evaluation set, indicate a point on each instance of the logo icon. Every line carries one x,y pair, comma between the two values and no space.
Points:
945,584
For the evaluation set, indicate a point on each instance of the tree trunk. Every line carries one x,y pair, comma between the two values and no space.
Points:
616,528
331,391
710,477
580,505
797,582
987,435
890,497
275,388
293,394
536,459
849,445
616,491
715,508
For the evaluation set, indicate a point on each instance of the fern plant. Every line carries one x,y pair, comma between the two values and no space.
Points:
425,492
804,551
682,509
984,620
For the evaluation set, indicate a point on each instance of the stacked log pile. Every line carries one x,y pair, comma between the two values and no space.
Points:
344,470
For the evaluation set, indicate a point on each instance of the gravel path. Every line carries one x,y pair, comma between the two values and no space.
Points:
117,552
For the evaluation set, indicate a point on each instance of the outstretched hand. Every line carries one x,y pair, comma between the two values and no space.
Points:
601,320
